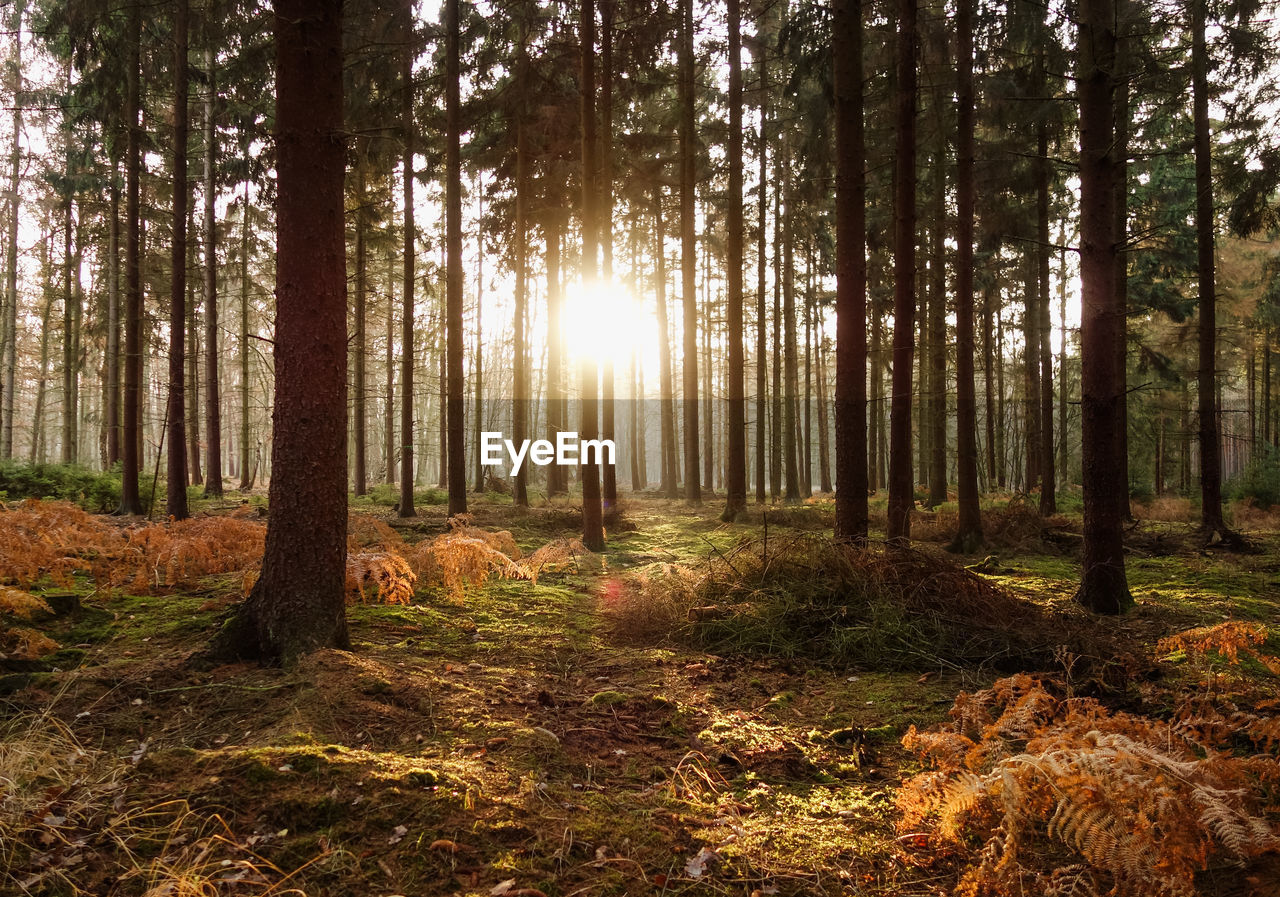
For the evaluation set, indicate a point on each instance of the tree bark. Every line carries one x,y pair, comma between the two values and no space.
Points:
246,466
520,351
298,604
608,471
9,345
666,397
176,469
736,448
453,214
762,313
689,256
213,380
1103,588
592,510
131,461
359,339
901,487
968,536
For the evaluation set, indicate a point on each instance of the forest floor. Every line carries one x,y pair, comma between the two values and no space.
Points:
523,739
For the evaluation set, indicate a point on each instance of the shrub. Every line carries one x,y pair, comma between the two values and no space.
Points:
92,490
1260,481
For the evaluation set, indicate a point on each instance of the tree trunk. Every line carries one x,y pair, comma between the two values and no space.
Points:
1207,405
790,361
131,461
666,397
69,336
1031,372
359,339
1048,477
176,491
969,523
556,480
689,256
736,448
519,349
9,345
938,327
213,384
246,467
609,470
775,420
901,487
477,415
1103,588
592,510
194,474
457,485
389,406
762,315
288,614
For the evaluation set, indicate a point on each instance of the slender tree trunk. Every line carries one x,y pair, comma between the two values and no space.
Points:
969,523
806,478
453,214
901,489
213,386
762,314
287,614
556,479
112,354
477,416
130,499
775,426
176,496
608,471
1063,454
938,326
9,345
359,348
1002,421
1103,588
69,334
988,384
666,397
1210,439
1048,477
824,423
246,466
389,406
875,428
736,449
194,474
791,365
519,349
1031,371
689,256
592,510
37,421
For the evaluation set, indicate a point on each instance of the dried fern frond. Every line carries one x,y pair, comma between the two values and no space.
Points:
1228,640
24,605
390,575
1141,805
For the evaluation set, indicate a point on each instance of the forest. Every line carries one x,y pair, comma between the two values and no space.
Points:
549,448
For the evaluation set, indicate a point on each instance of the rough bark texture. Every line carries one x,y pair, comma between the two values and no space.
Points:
969,524
901,487
1103,587
9,345
608,472
297,604
1048,477
666,385
851,276
176,491
762,314
520,390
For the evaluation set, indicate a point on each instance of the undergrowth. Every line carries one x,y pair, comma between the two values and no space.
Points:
808,596
1038,792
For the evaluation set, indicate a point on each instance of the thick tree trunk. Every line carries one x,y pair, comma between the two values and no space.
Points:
1103,588
969,523
477,358
288,614
901,487
359,339
519,349
453,295
689,256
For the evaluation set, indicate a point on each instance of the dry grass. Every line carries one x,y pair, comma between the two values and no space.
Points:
68,827
806,595
1165,509
1248,515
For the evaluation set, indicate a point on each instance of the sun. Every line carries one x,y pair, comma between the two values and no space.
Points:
601,322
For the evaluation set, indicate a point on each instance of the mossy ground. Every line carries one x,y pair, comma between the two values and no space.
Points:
512,736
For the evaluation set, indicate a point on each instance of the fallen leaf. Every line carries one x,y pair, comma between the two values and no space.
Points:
397,835
502,887
445,845
698,862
